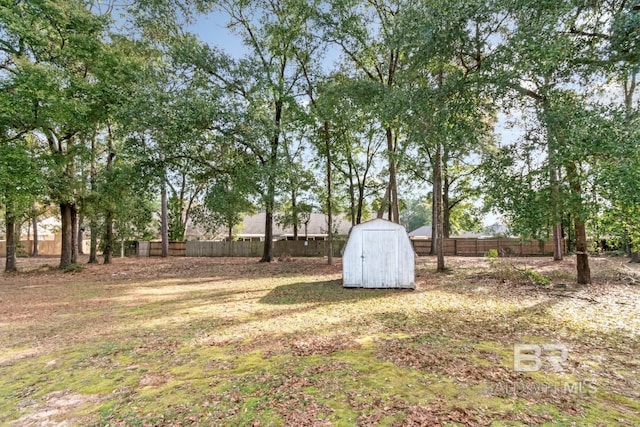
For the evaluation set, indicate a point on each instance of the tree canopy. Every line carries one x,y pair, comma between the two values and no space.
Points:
343,107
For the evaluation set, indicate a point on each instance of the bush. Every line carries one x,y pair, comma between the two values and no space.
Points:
73,268
507,272
492,254
536,278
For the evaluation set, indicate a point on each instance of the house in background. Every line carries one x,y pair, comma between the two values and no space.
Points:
48,229
497,229
252,228
425,232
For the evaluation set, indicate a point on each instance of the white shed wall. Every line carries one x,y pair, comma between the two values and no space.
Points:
378,254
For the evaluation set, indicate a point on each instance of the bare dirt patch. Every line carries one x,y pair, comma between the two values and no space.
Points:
54,410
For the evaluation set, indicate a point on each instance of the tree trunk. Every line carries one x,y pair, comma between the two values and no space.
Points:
164,216
34,224
80,234
230,235
568,231
392,143
108,220
582,254
437,191
107,254
327,141
74,234
630,85
558,253
66,255
555,189
360,204
556,213
432,250
557,243
294,213
385,202
446,208
10,264
17,236
352,195
180,213
446,216
93,250
267,254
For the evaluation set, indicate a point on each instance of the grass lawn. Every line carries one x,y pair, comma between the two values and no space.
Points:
191,341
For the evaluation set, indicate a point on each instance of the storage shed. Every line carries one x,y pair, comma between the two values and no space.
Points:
378,254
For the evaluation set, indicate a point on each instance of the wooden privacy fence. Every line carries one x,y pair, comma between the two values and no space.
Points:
203,248
318,248
309,248
224,249
45,247
294,248
480,247
155,248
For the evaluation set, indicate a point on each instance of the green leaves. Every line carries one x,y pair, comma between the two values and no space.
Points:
21,182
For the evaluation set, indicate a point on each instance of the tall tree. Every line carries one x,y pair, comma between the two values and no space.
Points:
447,114
20,185
548,50
366,33
69,74
267,81
296,203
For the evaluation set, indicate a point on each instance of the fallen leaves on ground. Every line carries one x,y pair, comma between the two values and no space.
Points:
230,341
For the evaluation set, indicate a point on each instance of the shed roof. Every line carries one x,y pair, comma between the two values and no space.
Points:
379,223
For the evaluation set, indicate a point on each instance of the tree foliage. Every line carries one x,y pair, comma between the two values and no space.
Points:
104,112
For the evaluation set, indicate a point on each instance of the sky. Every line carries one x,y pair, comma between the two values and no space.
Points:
212,29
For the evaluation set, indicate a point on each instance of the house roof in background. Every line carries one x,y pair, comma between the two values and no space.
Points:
497,229
424,231
254,226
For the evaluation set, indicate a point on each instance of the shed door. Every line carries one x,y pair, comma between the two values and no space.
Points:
379,258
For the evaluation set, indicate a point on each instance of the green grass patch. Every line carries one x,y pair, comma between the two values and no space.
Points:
283,344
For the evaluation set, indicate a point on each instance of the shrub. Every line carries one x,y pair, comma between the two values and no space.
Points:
507,272
536,278
492,254
73,268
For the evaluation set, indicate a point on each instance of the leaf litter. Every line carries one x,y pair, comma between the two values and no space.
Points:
229,341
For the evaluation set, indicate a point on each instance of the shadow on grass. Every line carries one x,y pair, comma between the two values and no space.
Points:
322,292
